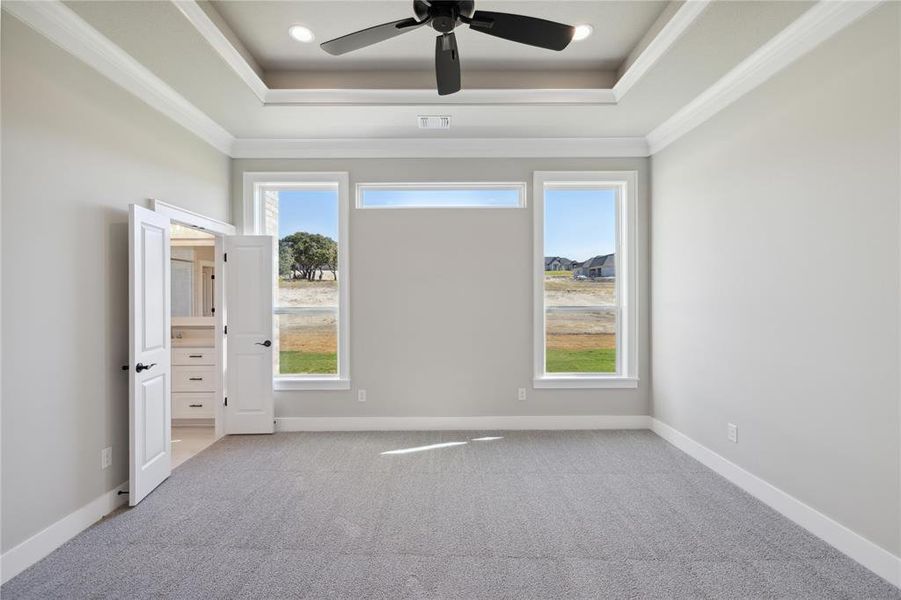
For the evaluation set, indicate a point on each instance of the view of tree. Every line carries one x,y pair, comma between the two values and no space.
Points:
302,255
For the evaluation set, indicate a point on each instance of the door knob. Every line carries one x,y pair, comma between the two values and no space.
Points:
267,343
141,367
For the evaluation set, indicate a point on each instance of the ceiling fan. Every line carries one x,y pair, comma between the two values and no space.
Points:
443,16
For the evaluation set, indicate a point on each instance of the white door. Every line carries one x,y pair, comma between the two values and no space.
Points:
149,361
249,282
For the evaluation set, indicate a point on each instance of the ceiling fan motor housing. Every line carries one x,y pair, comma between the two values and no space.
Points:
444,15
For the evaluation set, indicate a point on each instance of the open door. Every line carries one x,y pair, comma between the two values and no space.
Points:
149,362
249,287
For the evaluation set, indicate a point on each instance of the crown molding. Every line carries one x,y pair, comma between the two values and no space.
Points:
687,13
442,148
684,17
819,23
63,27
421,97
213,34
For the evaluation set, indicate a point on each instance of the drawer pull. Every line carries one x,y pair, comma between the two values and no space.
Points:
195,405
195,378
195,356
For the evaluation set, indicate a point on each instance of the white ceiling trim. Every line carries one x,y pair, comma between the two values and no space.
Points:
70,32
372,97
659,46
442,148
687,14
222,45
819,23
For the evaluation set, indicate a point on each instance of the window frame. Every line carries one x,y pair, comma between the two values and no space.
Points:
254,184
520,186
625,183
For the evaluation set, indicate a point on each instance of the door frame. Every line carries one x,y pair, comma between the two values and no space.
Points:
219,229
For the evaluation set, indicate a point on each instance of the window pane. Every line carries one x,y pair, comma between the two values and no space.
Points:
305,222
580,280
499,196
580,340
307,342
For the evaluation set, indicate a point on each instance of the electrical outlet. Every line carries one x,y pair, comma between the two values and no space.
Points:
106,457
521,395
732,432
361,395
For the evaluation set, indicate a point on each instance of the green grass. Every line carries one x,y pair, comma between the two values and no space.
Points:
305,363
558,361
558,273
581,361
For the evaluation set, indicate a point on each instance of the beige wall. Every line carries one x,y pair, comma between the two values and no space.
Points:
775,235
452,333
76,151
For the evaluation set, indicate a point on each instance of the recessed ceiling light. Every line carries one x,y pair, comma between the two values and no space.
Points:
301,33
582,32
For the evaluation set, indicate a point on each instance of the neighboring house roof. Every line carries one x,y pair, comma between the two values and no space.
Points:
549,260
595,262
611,260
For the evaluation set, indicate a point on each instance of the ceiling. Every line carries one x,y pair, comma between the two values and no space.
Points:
263,29
715,41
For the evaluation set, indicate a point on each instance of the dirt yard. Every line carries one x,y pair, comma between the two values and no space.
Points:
565,330
315,332
574,330
308,293
302,333
566,291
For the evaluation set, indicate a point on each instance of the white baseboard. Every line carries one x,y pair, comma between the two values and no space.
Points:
877,559
462,423
16,560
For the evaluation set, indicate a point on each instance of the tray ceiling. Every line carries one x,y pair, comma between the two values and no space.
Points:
717,40
262,27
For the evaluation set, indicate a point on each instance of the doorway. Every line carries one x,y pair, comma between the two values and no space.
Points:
177,358
196,367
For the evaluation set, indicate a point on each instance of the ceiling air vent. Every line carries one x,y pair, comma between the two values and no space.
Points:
434,121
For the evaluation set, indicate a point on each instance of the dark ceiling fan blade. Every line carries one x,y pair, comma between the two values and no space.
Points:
447,64
372,35
522,29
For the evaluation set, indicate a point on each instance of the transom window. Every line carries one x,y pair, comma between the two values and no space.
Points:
584,279
441,195
306,213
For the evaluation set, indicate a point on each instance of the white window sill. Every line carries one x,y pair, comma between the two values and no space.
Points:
584,382
310,383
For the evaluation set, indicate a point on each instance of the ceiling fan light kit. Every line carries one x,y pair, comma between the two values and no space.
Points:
444,16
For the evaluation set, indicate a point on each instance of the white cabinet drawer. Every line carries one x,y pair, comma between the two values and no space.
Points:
193,356
193,379
196,405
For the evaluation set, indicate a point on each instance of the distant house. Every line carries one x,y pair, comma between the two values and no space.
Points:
557,263
597,266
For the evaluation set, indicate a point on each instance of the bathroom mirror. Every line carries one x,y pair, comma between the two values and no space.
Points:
193,276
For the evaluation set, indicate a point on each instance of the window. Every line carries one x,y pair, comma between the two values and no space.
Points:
441,195
306,213
585,321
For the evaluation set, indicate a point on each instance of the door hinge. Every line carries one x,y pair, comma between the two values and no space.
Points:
212,277
226,400
225,257
226,330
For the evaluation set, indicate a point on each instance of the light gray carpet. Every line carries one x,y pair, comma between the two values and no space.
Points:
532,515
